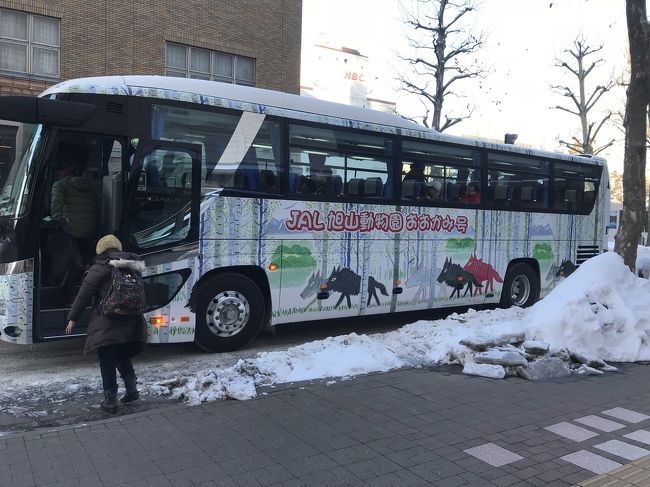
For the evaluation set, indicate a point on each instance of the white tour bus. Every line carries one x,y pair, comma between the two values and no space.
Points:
254,208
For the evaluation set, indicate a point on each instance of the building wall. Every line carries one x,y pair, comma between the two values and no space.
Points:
109,37
615,212
335,74
342,75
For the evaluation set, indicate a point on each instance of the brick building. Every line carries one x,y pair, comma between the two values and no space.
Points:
253,42
42,42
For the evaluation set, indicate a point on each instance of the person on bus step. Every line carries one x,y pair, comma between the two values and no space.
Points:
74,204
116,338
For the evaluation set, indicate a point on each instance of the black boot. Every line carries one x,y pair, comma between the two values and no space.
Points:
132,394
109,404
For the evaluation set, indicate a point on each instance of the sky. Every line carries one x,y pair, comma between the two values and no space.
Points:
599,311
524,38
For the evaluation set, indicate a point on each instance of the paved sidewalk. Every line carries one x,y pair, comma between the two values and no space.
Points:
636,474
409,427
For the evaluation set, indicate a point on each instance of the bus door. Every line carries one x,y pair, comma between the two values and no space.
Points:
74,211
160,221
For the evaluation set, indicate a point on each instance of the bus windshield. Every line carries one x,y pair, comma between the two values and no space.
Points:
14,176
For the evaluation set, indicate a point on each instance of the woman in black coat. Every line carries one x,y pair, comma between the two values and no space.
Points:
116,339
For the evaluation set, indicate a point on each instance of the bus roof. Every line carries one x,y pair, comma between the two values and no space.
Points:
295,106
247,94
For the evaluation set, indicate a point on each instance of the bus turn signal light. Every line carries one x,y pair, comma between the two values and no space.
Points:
157,321
273,267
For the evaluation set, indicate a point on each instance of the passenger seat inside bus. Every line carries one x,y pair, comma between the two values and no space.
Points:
411,189
305,185
246,175
332,186
588,198
528,194
293,180
245,179
356,187
373,187
268,183
502,194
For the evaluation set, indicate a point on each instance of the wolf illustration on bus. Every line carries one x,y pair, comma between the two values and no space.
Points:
483,272
454,276
348,283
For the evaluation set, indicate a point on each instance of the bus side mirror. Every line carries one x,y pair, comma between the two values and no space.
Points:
30,109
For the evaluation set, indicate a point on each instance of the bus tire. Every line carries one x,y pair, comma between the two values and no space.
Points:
520,287
230,313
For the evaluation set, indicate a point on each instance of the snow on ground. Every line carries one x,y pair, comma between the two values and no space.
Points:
600,311
643,261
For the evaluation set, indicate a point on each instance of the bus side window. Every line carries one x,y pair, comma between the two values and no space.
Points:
329,163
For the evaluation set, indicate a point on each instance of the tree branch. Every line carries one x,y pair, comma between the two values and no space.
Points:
558,107
442,22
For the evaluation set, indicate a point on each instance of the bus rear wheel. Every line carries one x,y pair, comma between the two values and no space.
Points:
229,313
520,287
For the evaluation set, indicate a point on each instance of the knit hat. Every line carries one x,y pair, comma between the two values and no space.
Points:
108,242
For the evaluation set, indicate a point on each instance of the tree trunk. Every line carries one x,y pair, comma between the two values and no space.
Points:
586,146
629,231
440,46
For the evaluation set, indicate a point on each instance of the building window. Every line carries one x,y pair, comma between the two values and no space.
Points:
194,62
29,44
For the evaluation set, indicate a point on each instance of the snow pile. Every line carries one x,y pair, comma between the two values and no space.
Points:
600,313
642,256
601,310
341,356
643,261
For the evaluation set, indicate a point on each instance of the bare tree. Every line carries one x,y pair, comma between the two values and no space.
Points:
636,112
581,101
440,45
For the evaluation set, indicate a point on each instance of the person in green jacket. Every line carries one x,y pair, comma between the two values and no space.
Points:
74,204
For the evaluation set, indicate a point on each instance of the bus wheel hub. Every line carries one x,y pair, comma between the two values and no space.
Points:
227,313
520,290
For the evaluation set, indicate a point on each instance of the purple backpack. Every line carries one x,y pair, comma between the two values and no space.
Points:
126,296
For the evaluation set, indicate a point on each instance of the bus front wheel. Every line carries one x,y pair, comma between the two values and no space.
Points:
229,314
520,287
